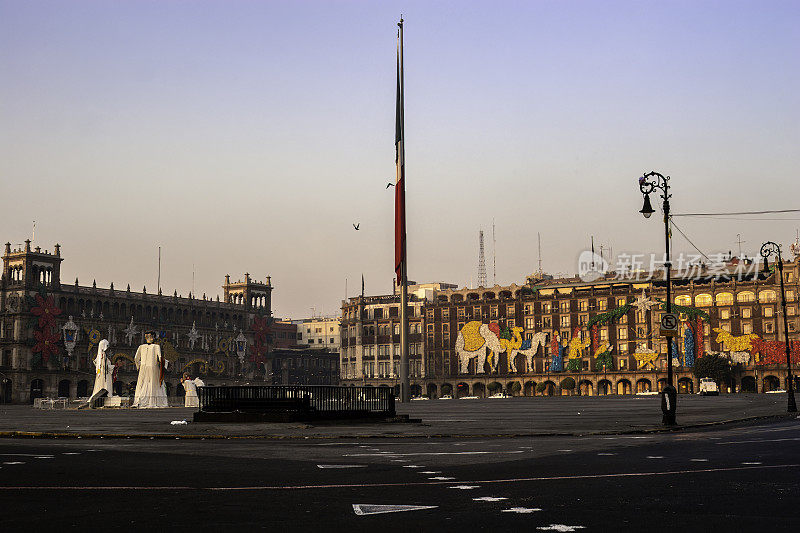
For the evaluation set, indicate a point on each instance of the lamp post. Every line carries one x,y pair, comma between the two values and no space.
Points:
647,184
767,249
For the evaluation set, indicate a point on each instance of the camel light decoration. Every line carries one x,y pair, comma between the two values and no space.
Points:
475,337
529,349
737,348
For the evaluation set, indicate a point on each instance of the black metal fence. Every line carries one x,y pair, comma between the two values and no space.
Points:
317,401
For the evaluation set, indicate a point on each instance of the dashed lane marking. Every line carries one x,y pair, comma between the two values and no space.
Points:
560,527
521,510
699,460
442,478
341,466
655,456
423,453
370,508
756,440
752,463
406,484
464,487
14,463
489,499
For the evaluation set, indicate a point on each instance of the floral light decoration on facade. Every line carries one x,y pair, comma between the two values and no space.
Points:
240,345
260,329
45,340
94,336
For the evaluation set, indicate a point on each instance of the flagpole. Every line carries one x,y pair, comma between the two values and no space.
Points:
400,189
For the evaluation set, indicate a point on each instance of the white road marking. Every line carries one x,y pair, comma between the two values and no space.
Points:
71,453
45,457
753,463
757,440
15,463
655,456
442,478
422,453
464,487
564,450
341,466
603,453
413,466
699,460
560,527
521,510
362,509
22,455
405,484
489,499
430,472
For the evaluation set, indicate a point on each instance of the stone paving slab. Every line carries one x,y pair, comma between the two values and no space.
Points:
484,417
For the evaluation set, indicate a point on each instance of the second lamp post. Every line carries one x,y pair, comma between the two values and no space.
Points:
647,184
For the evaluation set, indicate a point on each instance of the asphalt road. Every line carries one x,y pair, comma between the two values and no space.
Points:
744,477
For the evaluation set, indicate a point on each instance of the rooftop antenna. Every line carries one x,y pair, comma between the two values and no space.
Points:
740,241
159,269
192,278
592,252
539,238
494,256
601,253
481,261
33,236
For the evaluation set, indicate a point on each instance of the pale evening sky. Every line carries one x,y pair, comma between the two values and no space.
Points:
246,136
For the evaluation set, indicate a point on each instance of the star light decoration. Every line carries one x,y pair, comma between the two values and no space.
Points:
130,332
643,303
193,336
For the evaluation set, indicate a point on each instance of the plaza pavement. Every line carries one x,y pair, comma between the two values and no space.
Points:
521,416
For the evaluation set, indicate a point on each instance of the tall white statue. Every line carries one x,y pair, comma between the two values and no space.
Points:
150,387
104,371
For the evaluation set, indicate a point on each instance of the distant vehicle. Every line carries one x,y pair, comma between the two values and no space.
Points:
415,398
446,397
500,395
776,391
469,398
708,387
647,393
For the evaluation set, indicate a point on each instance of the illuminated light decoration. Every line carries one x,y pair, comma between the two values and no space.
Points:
735,344
699,338
224,345
774,352
557,352
645,358
45,339
203,364
644,303
94,337
240,346
46,343
45,309
604,360
688,346
70,332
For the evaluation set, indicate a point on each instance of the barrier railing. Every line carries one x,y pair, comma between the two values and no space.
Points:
318,400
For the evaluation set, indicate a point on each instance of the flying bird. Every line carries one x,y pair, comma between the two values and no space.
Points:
356,225
389,185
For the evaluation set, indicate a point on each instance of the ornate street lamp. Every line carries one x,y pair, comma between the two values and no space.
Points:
70,330
647,184
240,346
767,249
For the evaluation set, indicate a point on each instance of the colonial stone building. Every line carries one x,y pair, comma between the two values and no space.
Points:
49,330
528,339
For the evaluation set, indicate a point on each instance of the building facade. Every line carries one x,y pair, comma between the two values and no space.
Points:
321,333
49,330
304,366
603,336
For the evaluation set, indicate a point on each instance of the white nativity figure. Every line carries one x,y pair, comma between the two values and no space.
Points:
103,382
151,391
190,386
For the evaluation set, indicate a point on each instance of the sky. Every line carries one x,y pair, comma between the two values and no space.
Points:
249,136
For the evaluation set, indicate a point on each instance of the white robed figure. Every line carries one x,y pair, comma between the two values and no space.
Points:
190,386
151,390
104,371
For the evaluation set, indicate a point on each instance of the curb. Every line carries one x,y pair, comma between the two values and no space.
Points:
172,436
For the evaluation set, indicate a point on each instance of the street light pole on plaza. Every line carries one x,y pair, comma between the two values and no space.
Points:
647,184
767,249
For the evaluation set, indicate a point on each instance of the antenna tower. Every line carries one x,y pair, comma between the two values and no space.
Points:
539,237
481,261
494,256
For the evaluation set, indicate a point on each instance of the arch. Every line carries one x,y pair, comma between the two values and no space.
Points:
746,296
604,387
36,389
473,296
660,384
462,389
683,299
447,388
685,386
767,295
479,390
546,388
5,390
457,298
585,388
770,383
83,389
643,385
748,384
63,388
624,387
442,298
431,390
514,388
415,389
724,298
529,388
505,295
494,387
489,295
703,300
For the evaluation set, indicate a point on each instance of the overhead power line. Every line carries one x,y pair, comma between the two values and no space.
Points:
736,213
672,223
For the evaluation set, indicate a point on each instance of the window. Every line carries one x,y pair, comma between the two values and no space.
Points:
583,319
430,328
747,328
331,340
546,307
460,312
476,313
621,302
746,312
724,298
639,317
564,321
604,334
493,312
767,296
622,362
768,311
445,314
684,300
769,327
602,304
510,311
510,323
530,323
746,296
703,300
792,326
622,333
563,306
724,314
583,305
789,296
791,310
547,322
